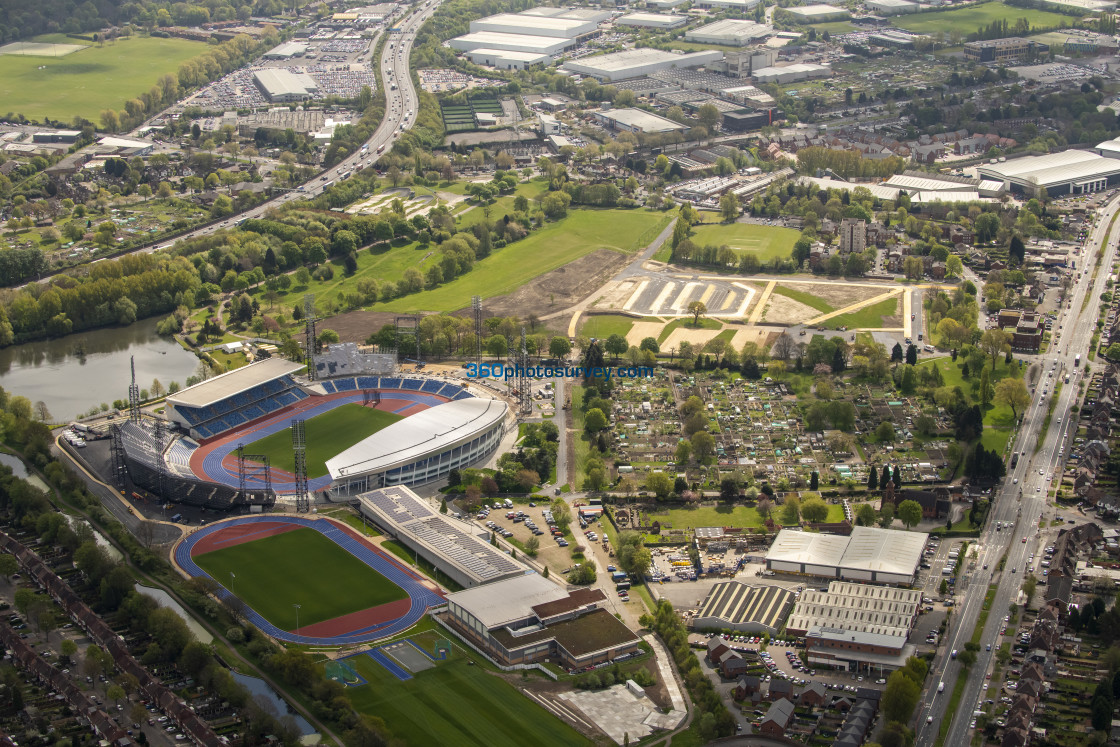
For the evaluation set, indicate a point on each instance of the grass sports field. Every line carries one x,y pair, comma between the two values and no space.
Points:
766,242
89,80
555,245
870,317
327,435
967,20
456,703
298,567
604,325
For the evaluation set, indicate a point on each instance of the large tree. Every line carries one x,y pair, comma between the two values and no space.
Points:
1014,394
910,513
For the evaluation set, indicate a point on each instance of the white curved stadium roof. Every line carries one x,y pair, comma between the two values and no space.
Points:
424,433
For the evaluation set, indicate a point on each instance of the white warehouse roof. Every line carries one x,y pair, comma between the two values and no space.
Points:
510,42
536,25
653,20
1052,169
867,549
632,63
819,10
729,30
426,432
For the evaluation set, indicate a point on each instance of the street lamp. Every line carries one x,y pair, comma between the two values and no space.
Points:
297,618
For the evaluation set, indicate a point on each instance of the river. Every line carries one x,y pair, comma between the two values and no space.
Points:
51,371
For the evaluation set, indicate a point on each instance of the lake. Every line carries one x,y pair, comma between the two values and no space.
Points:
54,372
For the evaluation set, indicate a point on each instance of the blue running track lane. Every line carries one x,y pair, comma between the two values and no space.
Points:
420,596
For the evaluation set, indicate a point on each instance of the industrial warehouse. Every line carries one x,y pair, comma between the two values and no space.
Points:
737,606
634,63
886,556
1070,172
529,33
887,610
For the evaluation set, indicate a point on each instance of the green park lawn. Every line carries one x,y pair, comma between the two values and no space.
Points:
602,326
503,205
87,81
801,296
765,242
553,246
327,435
869,317
723,516
456,703
969,19
999,423
298,567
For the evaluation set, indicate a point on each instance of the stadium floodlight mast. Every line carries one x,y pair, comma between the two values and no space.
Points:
297,617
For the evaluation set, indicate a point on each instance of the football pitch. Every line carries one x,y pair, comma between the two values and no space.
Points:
766,242
298,567
327,435
969,19
456,703
87,81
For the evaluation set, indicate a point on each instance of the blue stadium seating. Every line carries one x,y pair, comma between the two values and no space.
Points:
390,383
411,384
432,387
257,402
345,385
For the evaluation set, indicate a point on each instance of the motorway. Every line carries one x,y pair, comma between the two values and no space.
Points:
401,104
1022,501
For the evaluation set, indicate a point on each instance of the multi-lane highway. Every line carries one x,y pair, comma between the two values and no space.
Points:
401,104
1022,500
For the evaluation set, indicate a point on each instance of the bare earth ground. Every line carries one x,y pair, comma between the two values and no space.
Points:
697,337
758,335
356,326
563,287
784,310
642,330
838,295
616,294
894,320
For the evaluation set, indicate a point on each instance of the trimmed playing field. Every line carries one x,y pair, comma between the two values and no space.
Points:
968,20
553,246
765,242
301,567
456,703
90,80
327,435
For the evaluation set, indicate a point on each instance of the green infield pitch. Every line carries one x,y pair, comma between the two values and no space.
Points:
90,80
456,703
298,567
327,435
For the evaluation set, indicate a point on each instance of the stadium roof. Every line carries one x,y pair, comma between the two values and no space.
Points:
231,383
735,603
504,602
1053,169
439,538
426,432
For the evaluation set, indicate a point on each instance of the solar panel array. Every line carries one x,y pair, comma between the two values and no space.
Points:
409,517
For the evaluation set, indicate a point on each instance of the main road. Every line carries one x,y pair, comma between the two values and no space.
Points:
401,104
1022,500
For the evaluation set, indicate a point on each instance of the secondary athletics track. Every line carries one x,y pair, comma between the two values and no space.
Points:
216,461
364,626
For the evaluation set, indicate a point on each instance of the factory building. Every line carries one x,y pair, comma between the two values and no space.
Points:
636,120
791,73
729,32
652,20
817,13
283,85
543,45
891,7
634,63
506,59
534,25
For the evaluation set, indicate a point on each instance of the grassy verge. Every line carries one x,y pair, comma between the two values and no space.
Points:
580,448
683,322
808,299
954,703
1049,414
982,619
868,316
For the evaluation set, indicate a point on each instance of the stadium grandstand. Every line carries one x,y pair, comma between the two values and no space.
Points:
233,399
423,447
165,475
445,543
